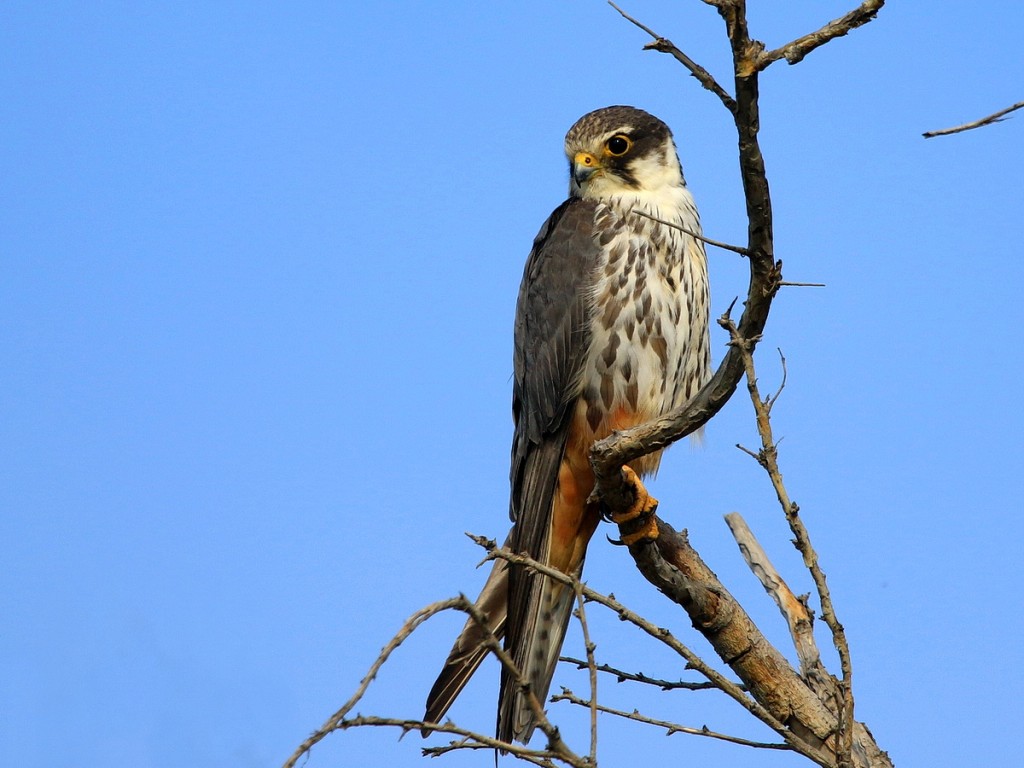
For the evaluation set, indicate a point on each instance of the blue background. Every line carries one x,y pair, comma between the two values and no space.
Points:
259,265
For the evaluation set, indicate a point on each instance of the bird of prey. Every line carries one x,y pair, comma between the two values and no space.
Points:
611,331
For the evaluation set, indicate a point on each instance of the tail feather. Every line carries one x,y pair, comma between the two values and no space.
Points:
537,658
469,649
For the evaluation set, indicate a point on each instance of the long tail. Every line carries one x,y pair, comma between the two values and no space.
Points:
469,649
537,657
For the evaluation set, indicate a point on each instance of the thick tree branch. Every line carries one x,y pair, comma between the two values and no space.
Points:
672,565
799,618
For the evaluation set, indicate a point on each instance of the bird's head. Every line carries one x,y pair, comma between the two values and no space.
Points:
620,150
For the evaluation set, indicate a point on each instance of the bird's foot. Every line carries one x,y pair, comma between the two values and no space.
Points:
638,522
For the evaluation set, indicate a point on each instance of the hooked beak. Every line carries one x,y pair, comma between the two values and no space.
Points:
584,165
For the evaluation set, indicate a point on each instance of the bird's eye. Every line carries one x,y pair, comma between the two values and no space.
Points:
618,145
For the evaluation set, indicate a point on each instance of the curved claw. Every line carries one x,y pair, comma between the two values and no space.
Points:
641,513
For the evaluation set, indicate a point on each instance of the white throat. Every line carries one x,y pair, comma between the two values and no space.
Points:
658,175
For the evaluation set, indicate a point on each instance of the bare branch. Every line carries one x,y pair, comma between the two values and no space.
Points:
697,235
795,51
555,743
589,647
640,677
798,616
470,740
660,634
339,721
772,690
995,117
670,727
414,621
671,564
771,400
663,45
767,457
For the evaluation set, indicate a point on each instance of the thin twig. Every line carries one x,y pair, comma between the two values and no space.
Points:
414,621
640,677
718,244
338,721
801,285
555,743
797,49
670,727
663,45
470,739
995,117
589,647
771,400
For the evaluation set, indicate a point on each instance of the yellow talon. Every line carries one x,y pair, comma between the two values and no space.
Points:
648,532
643,502
642,510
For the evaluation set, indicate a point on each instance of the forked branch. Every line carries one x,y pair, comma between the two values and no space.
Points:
555,751
663,45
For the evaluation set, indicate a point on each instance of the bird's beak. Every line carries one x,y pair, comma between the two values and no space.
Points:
584,165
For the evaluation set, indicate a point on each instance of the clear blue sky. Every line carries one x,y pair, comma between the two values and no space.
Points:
258,265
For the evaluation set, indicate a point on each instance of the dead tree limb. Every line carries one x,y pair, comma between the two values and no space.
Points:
556,751
995,117
670,727
666,559
799,617
622,676
795,51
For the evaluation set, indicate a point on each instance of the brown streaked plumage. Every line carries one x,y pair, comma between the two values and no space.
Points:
611,330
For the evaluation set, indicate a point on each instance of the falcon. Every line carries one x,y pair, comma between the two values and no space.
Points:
611,331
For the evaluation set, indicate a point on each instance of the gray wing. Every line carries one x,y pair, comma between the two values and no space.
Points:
552,339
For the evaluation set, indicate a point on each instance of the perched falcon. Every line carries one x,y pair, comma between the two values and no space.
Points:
611,331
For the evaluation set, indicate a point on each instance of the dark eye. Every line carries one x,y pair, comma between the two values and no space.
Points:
618,145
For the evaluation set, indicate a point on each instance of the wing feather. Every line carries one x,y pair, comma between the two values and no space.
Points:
552,340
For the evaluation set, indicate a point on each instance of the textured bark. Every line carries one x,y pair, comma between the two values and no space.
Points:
675,568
